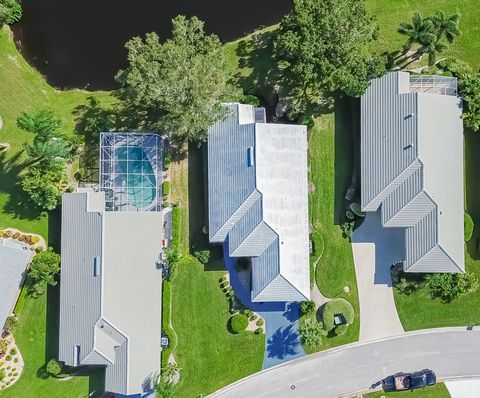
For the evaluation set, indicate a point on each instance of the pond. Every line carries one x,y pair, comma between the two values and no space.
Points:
80,44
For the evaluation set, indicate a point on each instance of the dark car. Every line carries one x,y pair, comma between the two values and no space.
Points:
409,381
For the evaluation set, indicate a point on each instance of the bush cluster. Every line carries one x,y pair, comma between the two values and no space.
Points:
308,307
203,256
448,287
468,227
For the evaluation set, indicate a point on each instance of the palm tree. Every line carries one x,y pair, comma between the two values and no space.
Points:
50,150
433,49
447,27
417,32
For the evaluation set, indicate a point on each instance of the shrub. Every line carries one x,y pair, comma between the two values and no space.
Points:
340,329
203,256
238,323
13,351
54,367
15,360
8,358
308,307
11,324
350,194
336,307
258,330
2,374
222,279
247,313
260,322
467,227
347,229
3,346
223,285
166,189
407,285
35,239
448,287
253,317
311,332
318,244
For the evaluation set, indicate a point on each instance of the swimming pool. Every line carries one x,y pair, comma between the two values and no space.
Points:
138,176
131,171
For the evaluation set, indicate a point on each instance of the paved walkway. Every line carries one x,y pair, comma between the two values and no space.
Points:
453,353
463,388
281,319
375,249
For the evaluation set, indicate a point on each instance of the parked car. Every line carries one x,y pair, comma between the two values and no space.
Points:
409,381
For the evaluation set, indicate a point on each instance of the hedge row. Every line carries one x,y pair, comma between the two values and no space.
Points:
176,229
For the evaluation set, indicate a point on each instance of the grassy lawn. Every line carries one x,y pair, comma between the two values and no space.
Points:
463,311
390,13
437,391
23,89
330,162
210,357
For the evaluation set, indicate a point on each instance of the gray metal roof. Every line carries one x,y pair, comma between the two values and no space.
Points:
13,264
412,166
114,317
258,200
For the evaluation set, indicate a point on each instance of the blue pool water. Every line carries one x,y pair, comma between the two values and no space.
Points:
138,174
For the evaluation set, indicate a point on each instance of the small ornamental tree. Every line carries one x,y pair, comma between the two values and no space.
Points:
44,267
54,367
448,287
238,323
308,307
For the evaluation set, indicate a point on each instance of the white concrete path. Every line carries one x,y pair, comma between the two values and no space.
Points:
374,250
463,388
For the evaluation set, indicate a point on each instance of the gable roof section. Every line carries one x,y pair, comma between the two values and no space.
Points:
412,168
13,264
258,195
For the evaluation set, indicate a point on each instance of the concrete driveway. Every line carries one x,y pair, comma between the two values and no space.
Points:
453,353
375,249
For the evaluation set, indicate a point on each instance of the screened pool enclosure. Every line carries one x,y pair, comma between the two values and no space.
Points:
131,171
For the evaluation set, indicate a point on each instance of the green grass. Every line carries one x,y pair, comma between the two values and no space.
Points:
418,310
208,354
37,345
330,162
23,89
390,13
437,391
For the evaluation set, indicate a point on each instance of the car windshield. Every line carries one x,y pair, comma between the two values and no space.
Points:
418,380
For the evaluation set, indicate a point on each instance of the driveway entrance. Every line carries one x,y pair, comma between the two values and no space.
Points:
375,249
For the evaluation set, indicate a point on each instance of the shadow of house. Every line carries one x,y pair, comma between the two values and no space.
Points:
283,343
347,152
472,190
389,245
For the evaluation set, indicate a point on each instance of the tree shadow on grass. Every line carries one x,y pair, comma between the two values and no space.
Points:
347,151
18,203
284,342
255,54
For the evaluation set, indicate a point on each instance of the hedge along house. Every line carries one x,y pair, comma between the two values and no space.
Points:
258,200
111,284
412,166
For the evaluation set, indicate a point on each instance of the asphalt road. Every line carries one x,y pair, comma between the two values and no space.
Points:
452,353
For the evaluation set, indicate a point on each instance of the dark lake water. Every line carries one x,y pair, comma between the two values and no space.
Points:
80,43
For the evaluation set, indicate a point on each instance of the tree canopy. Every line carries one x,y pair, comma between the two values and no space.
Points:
10,12
45,265
181,82
469,89
324,45
45,185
